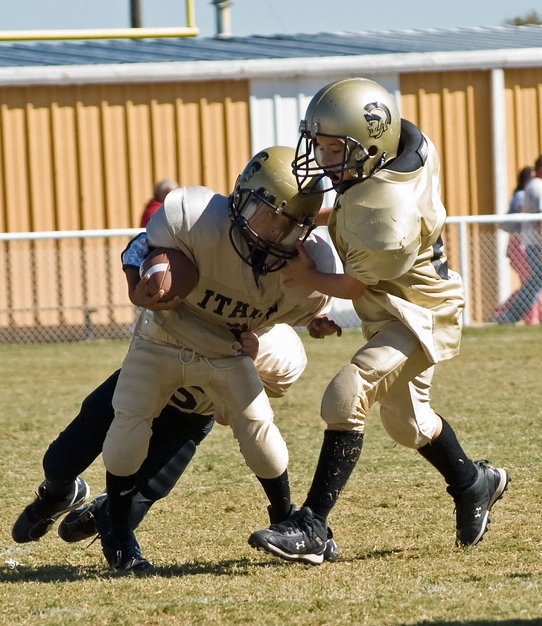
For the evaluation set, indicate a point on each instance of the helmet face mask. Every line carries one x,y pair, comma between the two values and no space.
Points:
270,235
269,214
361,116
271,230
309,161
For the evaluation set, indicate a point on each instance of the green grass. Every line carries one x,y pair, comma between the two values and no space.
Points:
394,522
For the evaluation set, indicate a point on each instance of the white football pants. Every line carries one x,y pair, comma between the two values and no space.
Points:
236,386
391,368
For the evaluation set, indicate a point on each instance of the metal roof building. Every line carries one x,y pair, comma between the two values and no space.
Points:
254,47
88,125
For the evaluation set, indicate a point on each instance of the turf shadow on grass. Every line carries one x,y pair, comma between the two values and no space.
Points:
64,573
48,573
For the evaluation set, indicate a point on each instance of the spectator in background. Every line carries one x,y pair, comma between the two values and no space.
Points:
515,250
531,237
161,190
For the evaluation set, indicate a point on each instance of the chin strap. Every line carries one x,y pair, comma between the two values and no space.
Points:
257,261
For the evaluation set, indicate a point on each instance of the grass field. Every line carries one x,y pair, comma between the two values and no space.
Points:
394,523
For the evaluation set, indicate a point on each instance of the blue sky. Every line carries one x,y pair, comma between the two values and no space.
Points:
267,16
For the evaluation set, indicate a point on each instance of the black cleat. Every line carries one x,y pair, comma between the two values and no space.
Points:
125,555
82,523
39,516
331,551
302,537
472,505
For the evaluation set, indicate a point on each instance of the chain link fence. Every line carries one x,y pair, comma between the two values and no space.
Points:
494,265
68,286
64,286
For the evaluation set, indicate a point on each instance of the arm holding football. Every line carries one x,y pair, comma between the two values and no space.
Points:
138,294
132,258
168,272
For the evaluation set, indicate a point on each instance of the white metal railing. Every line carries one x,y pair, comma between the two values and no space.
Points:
479,255
70,234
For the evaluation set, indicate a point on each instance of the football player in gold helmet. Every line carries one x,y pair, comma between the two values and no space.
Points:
386,226
270,212
236,242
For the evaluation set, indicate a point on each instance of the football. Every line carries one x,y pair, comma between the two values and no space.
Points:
170,270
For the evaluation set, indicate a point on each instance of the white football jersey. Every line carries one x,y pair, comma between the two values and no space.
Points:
227,298
387,233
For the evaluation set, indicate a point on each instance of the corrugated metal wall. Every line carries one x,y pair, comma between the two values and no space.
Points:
523,98
454,109
87,157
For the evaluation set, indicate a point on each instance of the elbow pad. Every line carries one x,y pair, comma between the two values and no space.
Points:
136,251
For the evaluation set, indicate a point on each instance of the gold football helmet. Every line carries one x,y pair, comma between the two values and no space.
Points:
269,213
363,116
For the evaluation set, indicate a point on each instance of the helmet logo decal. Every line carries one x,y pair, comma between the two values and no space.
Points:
378,118
254,166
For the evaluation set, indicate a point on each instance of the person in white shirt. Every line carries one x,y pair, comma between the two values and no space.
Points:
531,237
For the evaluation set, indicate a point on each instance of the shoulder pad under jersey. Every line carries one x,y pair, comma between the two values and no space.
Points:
381,215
